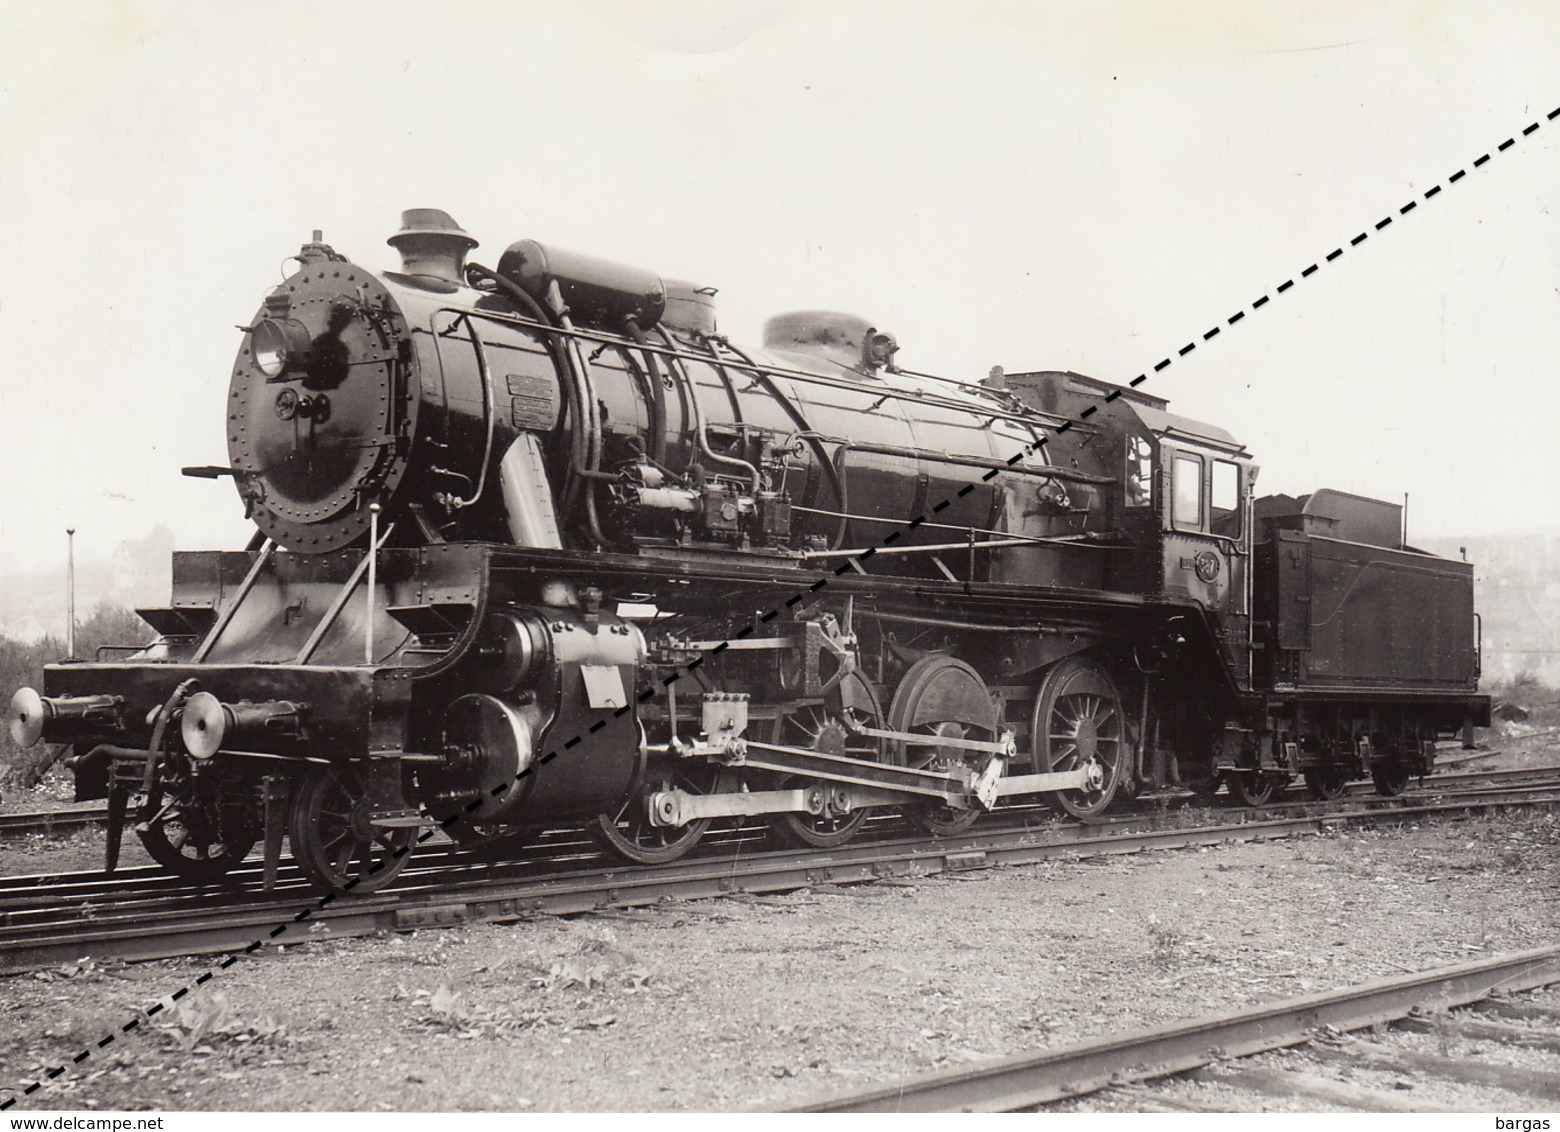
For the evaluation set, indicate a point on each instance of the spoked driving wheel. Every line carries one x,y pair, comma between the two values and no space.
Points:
1078,724
823,727
333,839
941,698
630,835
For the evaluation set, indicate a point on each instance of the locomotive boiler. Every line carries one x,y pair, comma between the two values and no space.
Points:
536,545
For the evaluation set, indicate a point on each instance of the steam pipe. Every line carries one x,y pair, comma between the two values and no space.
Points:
592,424
658,420
455,502
700,429
806,432
1082,538
563,349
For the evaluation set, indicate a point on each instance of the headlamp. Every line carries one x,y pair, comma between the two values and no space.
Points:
280,346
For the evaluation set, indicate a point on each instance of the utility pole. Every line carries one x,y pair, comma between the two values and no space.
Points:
70,592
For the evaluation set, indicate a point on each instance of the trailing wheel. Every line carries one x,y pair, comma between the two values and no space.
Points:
941,698
822,727
1326,784
629,835
1078,723
1391,779
333,840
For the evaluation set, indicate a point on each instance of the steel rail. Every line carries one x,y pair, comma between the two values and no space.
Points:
51,821
171,932
1031,1079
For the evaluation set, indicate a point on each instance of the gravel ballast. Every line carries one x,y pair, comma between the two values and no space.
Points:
765,1001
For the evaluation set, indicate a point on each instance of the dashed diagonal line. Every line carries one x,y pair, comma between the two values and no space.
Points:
746,631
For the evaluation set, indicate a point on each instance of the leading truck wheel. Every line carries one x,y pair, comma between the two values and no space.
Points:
187,846
1078,723
333,840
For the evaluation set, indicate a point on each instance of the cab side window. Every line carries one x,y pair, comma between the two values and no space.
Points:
1225,493
1186,507
1140,472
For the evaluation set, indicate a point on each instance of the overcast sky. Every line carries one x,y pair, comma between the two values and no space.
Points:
1040,185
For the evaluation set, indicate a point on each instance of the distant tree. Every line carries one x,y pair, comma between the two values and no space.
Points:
111,625
21,665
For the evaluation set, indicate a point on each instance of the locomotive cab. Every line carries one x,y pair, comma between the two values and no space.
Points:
1202,508
1183,511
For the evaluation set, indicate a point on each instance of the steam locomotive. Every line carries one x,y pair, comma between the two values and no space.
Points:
535,545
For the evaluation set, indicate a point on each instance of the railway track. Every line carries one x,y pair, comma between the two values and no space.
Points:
1219,1054
86,816
52,821
139,914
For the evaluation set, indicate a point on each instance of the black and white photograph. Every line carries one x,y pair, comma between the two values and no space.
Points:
754,556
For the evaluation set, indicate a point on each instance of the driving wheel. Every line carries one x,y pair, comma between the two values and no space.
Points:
1078,723
333,840
941,698
628,833
822,727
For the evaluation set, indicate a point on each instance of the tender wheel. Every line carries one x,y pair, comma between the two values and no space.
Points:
1249,788
187,844
1390,779
1326,785
941,698
1078,722
821,727
629,834
1204,789
332,839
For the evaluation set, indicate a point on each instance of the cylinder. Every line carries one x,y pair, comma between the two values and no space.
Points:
494,743
515,649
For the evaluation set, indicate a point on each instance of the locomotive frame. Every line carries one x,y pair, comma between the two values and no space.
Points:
557,552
